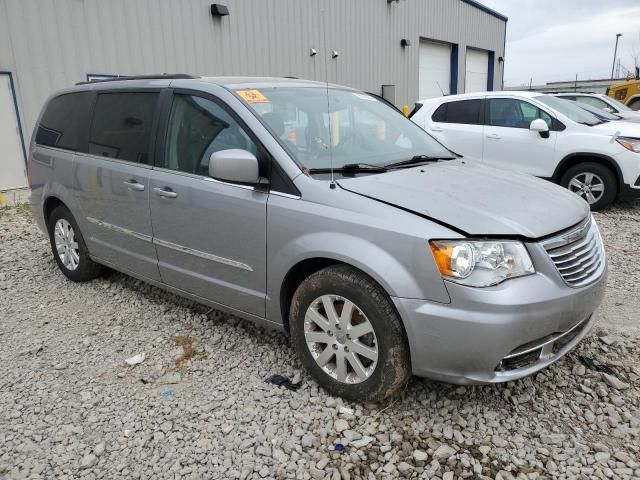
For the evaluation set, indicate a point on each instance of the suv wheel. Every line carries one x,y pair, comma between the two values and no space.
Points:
348,335
595,183
69,249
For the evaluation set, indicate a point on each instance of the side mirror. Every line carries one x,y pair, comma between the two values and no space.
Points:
540,126
609,109
234,165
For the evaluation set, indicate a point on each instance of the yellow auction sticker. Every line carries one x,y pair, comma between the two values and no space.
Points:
253,96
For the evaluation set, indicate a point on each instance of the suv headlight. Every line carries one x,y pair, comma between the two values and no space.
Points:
481,263
630,143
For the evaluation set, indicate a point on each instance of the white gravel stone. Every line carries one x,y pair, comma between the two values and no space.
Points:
443,452
351,435
88,461
614,382
340,425
98,450
553,438
420,456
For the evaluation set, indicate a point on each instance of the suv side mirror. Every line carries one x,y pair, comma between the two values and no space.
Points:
234,165
540,126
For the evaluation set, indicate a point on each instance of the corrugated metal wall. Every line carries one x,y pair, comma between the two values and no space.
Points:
49,45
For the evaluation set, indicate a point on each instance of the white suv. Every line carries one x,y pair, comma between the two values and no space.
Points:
542,135
603,102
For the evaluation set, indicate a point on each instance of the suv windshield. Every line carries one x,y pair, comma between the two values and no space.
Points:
601,114
342,127
569,109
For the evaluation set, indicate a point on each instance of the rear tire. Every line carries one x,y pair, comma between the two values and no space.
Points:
358,350
593,182
69,248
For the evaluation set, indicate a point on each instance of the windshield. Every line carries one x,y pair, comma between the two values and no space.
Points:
601,114
569,109
345,127
619,105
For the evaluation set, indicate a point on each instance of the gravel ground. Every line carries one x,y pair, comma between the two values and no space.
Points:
197,407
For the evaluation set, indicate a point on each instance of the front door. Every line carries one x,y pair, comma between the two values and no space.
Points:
508,142
210,236
112,182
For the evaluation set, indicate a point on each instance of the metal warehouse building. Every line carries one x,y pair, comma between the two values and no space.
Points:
401,49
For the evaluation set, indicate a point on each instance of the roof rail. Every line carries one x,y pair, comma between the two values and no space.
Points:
163,76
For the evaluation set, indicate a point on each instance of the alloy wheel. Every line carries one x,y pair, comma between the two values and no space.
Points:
66,244
341,339
588,185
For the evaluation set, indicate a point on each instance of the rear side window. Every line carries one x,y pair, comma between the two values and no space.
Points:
63,123
122,124
463,111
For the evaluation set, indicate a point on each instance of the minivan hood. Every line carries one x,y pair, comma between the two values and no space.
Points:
475,199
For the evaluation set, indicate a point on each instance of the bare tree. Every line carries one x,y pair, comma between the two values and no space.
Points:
635,55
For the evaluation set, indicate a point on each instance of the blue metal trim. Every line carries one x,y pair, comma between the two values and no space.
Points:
453,84
490,70
486,9
15,105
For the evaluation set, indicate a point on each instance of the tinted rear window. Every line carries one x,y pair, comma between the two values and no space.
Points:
122,124
64,121
463,111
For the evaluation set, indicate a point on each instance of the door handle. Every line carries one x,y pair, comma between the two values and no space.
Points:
436,129
165,192
494,136
132,184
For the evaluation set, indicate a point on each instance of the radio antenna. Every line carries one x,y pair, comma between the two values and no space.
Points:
332,183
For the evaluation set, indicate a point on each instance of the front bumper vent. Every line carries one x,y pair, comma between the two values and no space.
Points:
543,348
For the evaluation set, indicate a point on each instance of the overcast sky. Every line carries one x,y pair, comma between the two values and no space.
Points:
551,40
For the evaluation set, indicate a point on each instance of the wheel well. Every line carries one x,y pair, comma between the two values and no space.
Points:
573,160
294,277
49,205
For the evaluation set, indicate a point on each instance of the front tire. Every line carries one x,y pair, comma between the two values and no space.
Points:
595,183
348,335
69,249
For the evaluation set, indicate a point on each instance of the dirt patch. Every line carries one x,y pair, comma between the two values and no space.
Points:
187,349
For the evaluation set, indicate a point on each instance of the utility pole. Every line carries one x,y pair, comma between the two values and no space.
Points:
615,54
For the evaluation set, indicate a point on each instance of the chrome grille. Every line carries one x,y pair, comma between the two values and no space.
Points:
578,254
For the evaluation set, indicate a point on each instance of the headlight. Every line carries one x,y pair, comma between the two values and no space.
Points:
481,263
629,143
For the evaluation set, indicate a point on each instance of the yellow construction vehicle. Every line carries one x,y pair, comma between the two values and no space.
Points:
627,92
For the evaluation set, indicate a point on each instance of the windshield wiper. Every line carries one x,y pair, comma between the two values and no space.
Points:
415,160
352,168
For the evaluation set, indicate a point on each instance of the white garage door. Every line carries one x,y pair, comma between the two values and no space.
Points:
477,71
12,168
434,69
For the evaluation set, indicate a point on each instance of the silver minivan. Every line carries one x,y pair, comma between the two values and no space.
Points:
321,211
